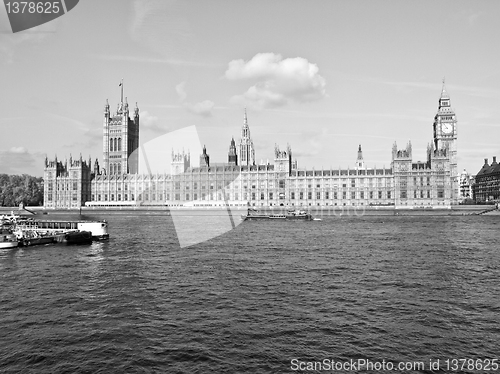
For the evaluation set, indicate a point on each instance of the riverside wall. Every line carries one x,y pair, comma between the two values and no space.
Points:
457,210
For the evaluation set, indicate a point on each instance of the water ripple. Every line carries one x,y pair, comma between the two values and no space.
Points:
252,299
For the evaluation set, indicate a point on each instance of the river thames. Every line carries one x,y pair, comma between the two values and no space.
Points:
266,297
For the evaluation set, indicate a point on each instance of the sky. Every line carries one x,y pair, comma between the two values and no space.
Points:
321,75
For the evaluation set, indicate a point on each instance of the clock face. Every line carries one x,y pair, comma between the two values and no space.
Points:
447,128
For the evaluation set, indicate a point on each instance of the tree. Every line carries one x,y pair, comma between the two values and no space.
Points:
16,189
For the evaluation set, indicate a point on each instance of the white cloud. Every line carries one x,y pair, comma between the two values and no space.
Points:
203,108
140,12
181,91
148,121
277,81
18,150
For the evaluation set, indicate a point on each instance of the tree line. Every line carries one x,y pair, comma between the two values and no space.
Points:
17,189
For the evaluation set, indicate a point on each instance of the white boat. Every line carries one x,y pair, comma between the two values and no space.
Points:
289,215
99,229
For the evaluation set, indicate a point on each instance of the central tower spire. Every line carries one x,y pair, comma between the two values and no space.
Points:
120,138
359,162
246,152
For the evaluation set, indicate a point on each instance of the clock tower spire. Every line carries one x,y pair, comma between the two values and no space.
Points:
445,137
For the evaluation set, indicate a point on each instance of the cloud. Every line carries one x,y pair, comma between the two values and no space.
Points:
278,81
150,122
18,150
181,91
17,160
203,108
140,12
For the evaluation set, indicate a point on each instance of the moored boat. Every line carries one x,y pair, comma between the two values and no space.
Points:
97,229
74,237
289,215
28,242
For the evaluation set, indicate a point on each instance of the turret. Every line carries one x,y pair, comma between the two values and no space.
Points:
360,164
204,158
282,159
232,157
96,167
125,111
180,162
106,109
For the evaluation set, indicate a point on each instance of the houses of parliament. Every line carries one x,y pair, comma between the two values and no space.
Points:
241,181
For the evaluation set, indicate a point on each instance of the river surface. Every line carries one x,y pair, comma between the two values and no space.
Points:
266,297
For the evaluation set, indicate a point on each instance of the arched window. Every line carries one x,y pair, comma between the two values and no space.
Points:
111,144
119,169
119,144
115,145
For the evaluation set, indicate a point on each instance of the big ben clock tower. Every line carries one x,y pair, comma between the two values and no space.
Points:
445,138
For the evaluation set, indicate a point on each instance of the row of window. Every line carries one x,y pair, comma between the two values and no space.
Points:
115,144
253,196
115,168
65,186
271,196
422,194
74,197
104,197
269,184
282,182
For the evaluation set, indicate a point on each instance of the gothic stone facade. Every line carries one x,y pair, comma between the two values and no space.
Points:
67,185
259,185
433,183
120,140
